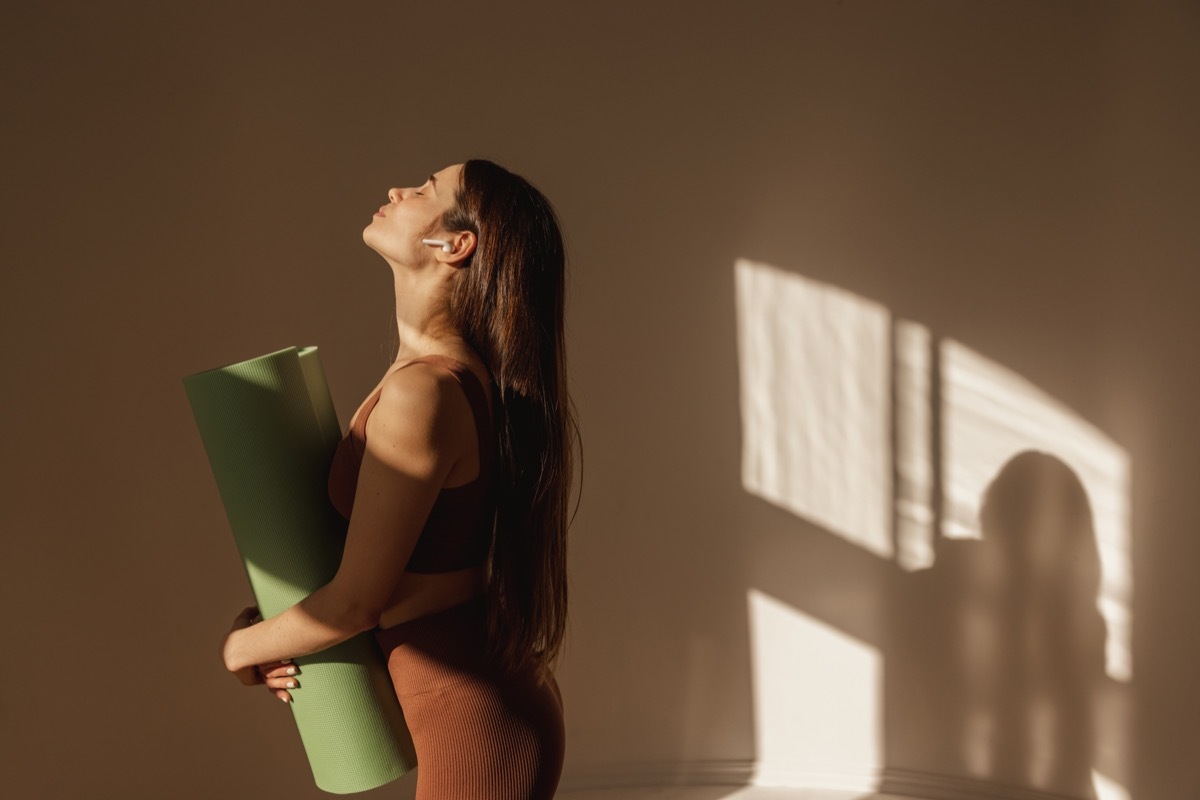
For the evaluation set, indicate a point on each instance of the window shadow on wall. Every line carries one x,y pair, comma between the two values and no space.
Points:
952,596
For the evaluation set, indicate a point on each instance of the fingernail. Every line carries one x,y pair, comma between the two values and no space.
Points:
291,671
291,684
286,661
284,699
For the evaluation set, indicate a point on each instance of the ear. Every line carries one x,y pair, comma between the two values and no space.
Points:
462,246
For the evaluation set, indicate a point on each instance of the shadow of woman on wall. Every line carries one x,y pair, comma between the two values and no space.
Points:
1013,651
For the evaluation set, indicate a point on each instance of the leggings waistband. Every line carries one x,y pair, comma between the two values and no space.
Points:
437,650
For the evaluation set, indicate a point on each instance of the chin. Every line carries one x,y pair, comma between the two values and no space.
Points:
379,244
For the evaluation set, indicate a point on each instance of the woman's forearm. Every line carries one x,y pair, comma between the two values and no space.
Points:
310,626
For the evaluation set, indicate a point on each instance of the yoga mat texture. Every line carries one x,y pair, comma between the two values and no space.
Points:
270,430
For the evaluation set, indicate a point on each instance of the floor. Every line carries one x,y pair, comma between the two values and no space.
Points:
721,793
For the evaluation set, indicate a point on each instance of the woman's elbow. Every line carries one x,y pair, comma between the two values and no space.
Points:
359,620
347,616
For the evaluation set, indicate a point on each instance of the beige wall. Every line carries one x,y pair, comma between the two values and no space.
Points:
184,186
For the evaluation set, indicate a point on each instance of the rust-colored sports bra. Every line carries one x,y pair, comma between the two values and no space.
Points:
458,532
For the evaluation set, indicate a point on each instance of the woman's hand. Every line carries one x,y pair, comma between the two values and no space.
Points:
279,676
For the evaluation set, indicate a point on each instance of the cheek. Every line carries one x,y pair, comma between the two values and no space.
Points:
391,228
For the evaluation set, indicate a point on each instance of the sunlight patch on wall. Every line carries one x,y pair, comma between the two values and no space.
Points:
1107,788
815,395
817,700
914,446
989,414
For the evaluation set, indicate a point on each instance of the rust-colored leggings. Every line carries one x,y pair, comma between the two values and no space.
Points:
478,735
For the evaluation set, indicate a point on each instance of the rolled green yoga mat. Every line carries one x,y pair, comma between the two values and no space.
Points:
270,431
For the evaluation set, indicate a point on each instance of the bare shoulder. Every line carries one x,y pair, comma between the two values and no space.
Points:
420,410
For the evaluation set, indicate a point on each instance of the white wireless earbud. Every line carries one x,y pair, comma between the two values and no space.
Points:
446,246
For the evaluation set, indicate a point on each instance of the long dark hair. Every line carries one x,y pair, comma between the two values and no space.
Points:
508,305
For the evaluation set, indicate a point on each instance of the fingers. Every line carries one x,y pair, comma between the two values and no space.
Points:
280,676
282,683
279,686
278,669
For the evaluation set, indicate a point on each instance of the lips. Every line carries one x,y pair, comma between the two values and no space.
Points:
380,213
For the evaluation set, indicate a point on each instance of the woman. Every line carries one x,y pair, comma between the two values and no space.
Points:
455,476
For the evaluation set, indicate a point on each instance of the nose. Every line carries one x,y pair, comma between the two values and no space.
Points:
394,195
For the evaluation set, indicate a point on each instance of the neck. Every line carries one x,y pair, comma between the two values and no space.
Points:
421,316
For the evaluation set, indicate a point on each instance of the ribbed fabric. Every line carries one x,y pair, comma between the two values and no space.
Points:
478,734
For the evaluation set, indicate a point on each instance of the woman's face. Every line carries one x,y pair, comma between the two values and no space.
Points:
413,214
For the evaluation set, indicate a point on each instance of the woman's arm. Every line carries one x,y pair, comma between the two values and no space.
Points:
415,435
